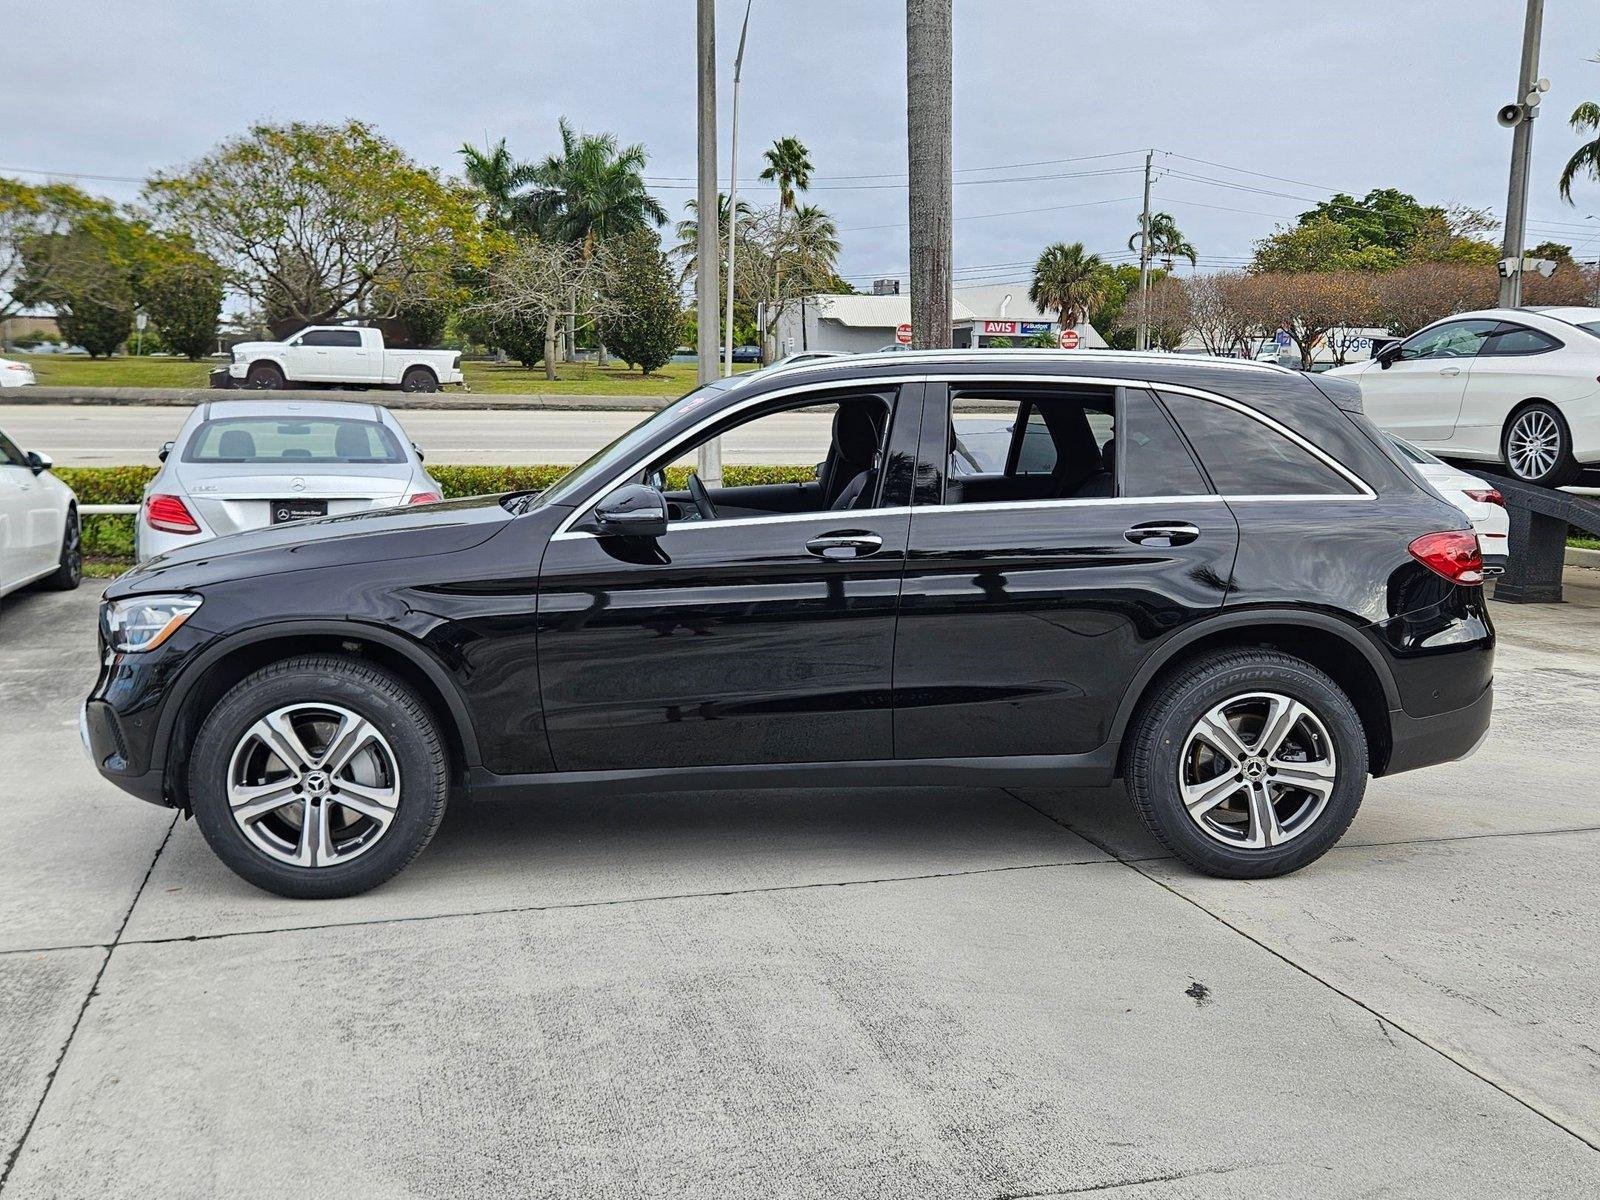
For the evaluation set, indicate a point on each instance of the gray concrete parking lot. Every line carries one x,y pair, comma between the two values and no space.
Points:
817,994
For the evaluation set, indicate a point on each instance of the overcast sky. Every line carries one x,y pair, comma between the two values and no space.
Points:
1060,99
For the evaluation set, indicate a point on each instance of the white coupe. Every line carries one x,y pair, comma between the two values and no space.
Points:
1516,386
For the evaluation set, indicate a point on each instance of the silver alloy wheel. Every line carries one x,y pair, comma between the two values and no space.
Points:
1534,444
313,785
1257,770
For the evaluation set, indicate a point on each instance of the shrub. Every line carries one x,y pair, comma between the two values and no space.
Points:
642,325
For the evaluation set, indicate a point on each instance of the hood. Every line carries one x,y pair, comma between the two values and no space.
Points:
383,534
1350,369
250,346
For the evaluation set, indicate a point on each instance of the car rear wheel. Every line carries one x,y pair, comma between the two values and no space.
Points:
419,379
69,566
1537,446
319,777
1248,763
264,377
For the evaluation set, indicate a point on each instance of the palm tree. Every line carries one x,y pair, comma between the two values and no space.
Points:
1585,119
815,240
590,191
789,165
1069,280
687,251
1166,242
500,178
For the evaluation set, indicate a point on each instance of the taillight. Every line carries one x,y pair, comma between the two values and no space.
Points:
423,498
1486,496
1454,555
168,514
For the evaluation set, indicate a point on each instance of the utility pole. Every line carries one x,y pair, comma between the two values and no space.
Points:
708,463
1144,259
929,67
1521,116
733,187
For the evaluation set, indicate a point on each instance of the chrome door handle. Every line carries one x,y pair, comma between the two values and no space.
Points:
1162,533
845,543
1449,370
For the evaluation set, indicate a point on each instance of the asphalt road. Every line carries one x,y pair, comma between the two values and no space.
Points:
893,993
87,436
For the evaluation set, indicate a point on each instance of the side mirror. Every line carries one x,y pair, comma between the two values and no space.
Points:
39,463
416,449
1387,355
633,510
166,449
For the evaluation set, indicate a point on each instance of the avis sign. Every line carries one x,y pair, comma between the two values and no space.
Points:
1000,327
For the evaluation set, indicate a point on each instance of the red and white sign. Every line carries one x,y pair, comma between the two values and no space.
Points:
902,334
1068,339
999,326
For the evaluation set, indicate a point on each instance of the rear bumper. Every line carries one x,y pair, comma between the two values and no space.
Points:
1440,738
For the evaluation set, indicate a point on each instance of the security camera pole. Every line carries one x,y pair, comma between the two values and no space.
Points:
928,108
709,459
1529,90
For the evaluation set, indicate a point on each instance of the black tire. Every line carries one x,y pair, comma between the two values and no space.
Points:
419,379
393,709
69,567
1170,716
264,377
1536,446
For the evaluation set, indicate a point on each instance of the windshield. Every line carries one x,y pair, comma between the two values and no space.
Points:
599,466
292,440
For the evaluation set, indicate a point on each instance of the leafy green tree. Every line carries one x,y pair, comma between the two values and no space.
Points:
183,297
501,181
1585,159
1166,241
592,190
643,302
1069,280
1320,243
33,219
1555,251
314,222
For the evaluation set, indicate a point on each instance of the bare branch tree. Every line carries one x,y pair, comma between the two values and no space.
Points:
534,282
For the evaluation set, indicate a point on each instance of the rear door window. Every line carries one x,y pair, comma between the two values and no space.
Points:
1153,459
1514,341
332,337
1247,457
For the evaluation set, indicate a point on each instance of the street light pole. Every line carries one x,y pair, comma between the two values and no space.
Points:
928,152
1521,154
709,458
1143,342
733,188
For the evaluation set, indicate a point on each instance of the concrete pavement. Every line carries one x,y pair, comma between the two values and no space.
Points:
934,993
97,437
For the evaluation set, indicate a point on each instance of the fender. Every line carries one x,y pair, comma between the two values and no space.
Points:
408,648
256,360
1228,620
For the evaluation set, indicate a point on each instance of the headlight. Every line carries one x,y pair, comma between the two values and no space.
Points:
144,622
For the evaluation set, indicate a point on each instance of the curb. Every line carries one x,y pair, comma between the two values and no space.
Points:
1577,556
441,401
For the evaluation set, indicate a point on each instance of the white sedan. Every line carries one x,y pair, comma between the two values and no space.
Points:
1479,499
15,374
1517,386
246,464
40,538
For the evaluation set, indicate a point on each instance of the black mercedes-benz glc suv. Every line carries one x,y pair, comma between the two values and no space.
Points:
1215,581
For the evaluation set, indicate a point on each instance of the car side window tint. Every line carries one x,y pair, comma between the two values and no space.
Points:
1453,339
346,338
1246,457
332,337
10,455
1510,340
1154,460
1029,445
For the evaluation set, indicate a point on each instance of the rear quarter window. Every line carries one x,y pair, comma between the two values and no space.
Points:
1246,457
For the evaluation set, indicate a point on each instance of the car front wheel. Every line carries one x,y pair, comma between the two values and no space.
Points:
1537,446
319,777
1248,763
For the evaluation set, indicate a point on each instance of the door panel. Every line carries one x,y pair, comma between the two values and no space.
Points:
1020,627
1419,394
14,559
720,643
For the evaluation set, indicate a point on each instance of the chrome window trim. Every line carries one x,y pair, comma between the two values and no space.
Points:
1001,379
1065,502
843,515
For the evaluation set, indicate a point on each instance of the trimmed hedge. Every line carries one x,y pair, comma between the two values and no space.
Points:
111,537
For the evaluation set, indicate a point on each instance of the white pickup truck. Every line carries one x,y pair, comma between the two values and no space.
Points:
354,356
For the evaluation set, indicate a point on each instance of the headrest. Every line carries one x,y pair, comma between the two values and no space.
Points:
855,433
350,441
236,443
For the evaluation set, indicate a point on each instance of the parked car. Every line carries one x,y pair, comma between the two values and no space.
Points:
248,464
16,374
1221,586
1478,498
1516,386
40,538
747,354
346,355
805,357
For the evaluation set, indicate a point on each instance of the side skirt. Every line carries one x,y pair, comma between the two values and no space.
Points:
1093,769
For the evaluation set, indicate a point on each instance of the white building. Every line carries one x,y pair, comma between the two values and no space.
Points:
981,316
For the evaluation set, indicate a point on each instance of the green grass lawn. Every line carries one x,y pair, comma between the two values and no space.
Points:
576,379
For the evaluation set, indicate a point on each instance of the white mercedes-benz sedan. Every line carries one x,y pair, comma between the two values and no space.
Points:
246,464
1517,386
